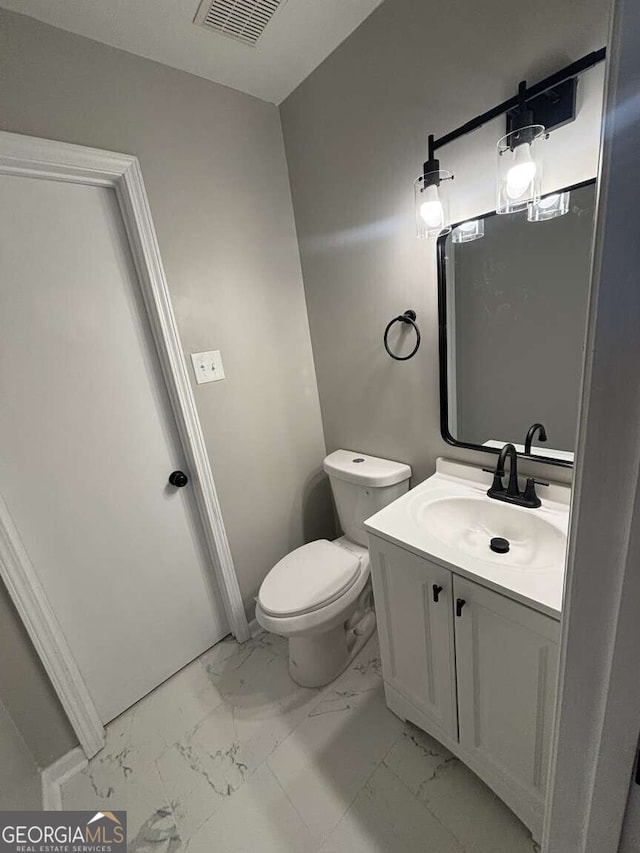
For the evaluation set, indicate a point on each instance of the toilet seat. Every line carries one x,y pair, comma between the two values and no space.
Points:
309,578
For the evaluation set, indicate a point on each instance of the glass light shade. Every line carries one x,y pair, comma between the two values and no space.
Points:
468,231
548,207
432,204
520,156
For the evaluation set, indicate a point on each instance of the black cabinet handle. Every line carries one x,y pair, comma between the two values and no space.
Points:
178,479
436,592
460,603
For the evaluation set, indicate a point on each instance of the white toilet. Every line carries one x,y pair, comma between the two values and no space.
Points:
319,596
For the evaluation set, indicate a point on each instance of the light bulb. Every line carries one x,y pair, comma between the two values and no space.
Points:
431,208
549,207
430,192
549,201
469,231
521,174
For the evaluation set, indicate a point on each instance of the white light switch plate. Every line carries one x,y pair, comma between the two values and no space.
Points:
207,366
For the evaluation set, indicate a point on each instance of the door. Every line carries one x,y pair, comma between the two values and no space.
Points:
507,660
413,608
87,443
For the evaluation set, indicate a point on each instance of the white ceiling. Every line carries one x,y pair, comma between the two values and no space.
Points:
301,34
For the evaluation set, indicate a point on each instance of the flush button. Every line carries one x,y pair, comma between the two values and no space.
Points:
358,460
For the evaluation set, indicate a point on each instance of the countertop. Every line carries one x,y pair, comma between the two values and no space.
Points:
539,588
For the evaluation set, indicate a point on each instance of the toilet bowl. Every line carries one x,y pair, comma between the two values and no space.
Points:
319,596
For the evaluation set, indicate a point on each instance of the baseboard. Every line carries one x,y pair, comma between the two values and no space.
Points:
56,774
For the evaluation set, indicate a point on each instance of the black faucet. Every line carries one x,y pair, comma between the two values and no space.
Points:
530,436
512,493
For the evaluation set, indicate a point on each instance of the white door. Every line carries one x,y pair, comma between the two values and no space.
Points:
507,664
87,443
413,608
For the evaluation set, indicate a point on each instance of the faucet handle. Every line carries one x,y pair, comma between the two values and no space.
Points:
530,495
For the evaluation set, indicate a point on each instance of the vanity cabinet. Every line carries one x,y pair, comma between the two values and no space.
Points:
473,668
413,605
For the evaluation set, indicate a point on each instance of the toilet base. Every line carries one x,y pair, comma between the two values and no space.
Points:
318,659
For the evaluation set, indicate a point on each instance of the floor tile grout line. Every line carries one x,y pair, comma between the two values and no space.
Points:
348,804
424,803
425,807
291,712
321,695
359,791
231,709
314,702
356,794
291,803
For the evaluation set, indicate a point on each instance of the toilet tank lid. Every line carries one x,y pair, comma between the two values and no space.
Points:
365,470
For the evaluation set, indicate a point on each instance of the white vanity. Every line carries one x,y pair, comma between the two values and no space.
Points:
470,637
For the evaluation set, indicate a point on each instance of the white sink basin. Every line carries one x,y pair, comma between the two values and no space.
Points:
450,520
469,524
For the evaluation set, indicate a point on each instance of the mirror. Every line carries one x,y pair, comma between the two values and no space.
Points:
512,293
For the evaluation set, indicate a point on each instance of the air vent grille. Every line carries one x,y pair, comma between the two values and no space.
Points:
244,20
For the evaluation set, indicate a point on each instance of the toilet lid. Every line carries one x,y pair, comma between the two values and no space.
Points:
308,578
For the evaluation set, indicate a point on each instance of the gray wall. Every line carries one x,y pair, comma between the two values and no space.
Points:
519,324
355,134
19,777
215,171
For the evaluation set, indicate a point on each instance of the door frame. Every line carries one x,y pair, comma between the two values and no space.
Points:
598,711
32,157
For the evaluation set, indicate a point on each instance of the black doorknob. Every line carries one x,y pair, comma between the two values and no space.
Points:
178,478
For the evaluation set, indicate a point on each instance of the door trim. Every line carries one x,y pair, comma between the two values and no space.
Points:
598,712
33,607
29,156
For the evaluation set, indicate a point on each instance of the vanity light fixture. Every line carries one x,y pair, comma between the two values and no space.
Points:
431,194
520,160
466,232
549,207
531,114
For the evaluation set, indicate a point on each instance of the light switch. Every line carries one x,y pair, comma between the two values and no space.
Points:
207,366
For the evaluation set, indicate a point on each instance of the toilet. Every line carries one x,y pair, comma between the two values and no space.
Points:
319,596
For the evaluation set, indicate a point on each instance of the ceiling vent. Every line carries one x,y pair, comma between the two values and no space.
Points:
244,20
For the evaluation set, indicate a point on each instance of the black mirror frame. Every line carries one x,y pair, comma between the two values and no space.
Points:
442,345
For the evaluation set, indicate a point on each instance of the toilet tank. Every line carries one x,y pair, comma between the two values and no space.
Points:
361,486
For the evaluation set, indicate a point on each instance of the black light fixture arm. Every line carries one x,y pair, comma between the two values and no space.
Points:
431,167
524,93
523,116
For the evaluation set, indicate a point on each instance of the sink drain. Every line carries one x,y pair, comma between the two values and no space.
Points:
499,545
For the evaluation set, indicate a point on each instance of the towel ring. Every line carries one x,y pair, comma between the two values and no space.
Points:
408,317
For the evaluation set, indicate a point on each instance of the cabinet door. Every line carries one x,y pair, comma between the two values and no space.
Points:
507,660
416,631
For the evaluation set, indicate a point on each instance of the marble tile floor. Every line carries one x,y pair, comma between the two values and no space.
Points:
231,756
